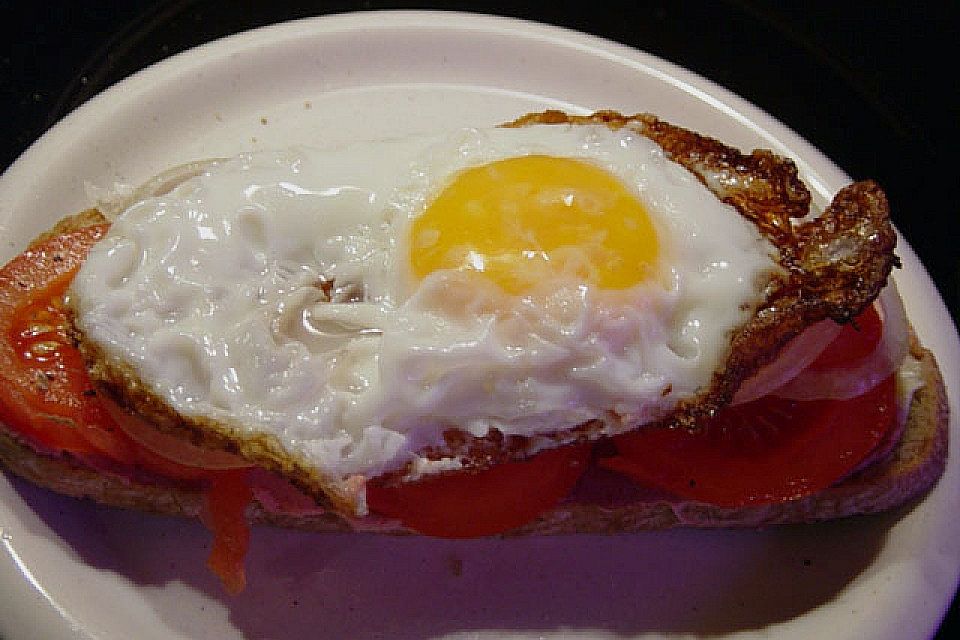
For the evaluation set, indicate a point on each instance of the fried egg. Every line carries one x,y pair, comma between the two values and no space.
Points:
355,302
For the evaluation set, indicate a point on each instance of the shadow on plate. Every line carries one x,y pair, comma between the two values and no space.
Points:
370,586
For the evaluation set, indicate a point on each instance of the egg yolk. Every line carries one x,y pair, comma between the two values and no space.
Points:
523,221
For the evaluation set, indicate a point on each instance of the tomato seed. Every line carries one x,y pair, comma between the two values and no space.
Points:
37,329
45,348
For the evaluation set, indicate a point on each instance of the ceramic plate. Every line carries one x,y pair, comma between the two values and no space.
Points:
70,569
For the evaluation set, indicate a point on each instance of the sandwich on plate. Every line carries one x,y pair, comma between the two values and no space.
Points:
564,324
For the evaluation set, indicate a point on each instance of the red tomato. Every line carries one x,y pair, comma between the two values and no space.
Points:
45,393
857,340
766,451
154,445
772,449
473,504
224,513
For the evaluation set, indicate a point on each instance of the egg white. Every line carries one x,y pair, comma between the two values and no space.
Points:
216,295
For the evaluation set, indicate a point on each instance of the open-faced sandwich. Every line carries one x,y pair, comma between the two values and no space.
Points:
565,324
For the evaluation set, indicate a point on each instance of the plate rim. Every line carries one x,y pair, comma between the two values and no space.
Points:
17,174
691,83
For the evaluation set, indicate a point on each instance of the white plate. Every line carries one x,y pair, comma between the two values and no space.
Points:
71,569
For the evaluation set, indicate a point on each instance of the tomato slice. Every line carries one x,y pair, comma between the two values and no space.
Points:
169,447
472,504
45,392
224,513
857,340
766,451
771,449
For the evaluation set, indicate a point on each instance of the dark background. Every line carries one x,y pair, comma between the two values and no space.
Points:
878,80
